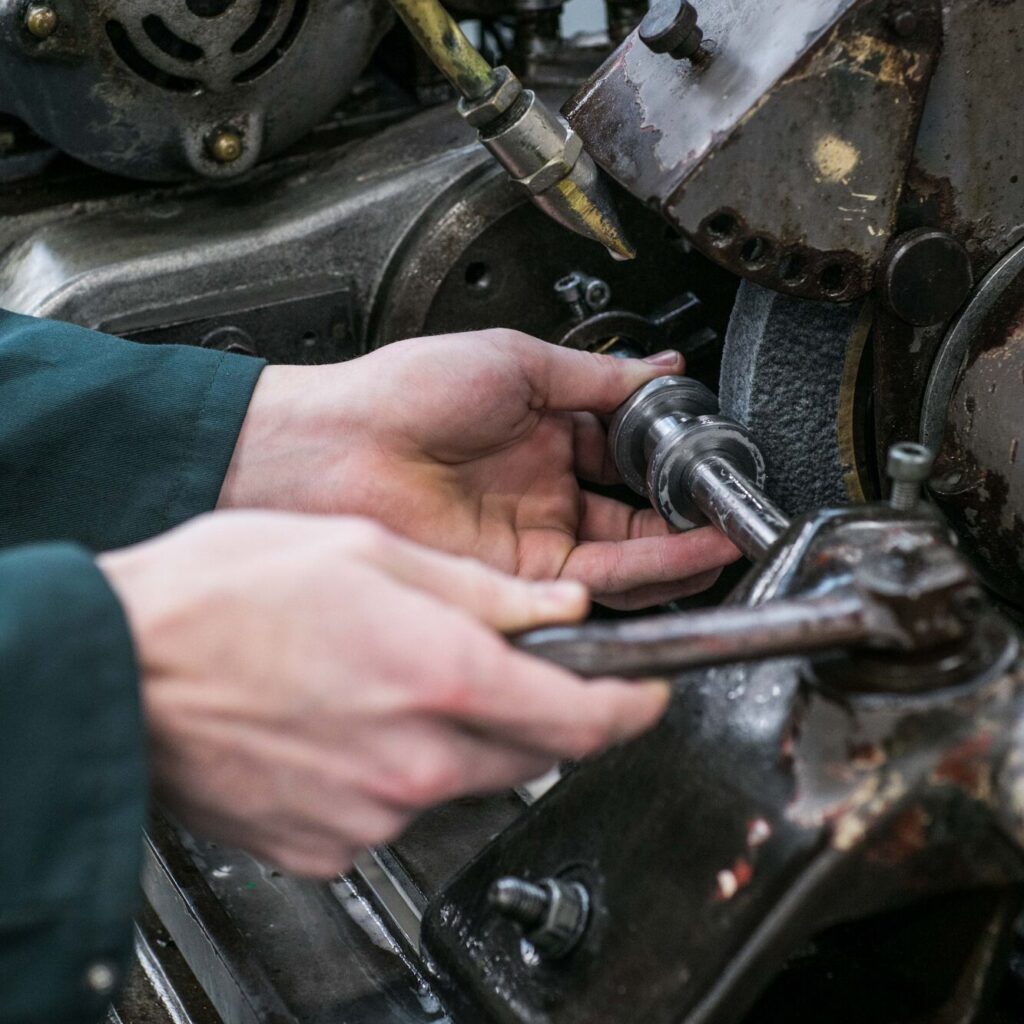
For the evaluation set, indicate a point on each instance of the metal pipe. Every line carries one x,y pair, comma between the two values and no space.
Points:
447,46
542,154
737,506
665,644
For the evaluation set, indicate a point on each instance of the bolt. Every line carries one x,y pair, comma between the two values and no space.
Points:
40,20
670,26
553,913
597,294
908,467
904,22
225,146
520,901
570,290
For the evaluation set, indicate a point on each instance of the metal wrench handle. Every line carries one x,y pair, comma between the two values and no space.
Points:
664,644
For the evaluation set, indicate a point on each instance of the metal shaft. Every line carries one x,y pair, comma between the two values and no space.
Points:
737,506
665,644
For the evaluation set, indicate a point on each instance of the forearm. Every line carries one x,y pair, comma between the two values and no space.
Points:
73,784
107,442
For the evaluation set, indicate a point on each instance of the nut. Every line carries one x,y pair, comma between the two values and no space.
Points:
41,20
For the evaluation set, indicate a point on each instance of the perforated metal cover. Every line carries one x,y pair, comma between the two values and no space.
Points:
146,88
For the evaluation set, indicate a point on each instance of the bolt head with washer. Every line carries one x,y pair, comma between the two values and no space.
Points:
41,20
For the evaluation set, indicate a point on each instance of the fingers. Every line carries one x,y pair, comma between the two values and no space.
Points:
422,763
615,567
648,597
590,447
605,519
566,380
524,701
505,603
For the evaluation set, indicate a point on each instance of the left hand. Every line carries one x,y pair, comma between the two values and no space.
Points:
473,444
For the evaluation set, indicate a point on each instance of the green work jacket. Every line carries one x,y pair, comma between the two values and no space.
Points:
102,443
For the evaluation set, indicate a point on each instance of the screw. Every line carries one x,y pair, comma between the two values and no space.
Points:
40,20
908,467
670,26
553,913
225,146
570,290
904,22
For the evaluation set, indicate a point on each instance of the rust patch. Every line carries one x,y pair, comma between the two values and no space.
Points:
967,765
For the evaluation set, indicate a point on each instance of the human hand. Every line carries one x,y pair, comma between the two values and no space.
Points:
474,444
310,684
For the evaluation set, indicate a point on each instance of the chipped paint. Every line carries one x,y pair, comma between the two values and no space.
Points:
835,159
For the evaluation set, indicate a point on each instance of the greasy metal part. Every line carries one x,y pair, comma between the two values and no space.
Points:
139,88
740,509
785,807
537,148
783,154
972,416
552,912
909,467
694,466
666,644
927,277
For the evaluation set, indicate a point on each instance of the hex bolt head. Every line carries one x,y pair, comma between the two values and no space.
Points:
553,913
41,20
225,146
908,467
670,26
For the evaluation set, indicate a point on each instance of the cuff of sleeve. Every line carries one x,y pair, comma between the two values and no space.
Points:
215,429
73,777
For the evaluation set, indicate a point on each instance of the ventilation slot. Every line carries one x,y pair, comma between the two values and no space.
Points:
173,45
126,50
273,55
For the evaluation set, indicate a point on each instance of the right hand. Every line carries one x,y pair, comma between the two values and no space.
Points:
311,684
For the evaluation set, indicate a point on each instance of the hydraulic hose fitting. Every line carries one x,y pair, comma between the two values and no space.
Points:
541,153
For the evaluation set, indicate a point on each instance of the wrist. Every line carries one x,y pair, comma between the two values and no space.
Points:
289,438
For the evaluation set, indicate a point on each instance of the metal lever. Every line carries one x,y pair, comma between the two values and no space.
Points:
665,644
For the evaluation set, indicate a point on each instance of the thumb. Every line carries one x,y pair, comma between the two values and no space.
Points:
567,380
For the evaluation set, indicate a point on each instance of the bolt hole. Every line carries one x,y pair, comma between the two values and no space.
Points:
722,226
755,251
478,276
792,267
309,339
834,279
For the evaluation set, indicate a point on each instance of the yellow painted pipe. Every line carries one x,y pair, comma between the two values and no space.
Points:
447,46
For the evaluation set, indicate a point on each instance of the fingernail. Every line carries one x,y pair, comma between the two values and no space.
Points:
667,358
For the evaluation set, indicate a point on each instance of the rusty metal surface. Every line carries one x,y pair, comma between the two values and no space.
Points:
777,806
979,480
783,155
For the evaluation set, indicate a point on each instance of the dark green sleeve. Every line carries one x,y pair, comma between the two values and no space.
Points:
107,442
72,786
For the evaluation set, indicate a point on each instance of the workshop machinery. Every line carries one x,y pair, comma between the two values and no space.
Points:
823,206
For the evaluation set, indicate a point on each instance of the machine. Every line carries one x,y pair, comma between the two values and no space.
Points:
817,201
